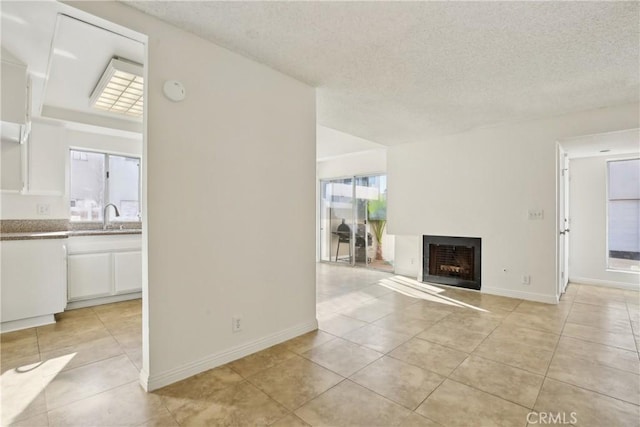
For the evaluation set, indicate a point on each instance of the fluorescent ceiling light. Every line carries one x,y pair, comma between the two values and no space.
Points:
120,88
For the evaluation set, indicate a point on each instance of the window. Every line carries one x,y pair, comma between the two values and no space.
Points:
623,227
100,178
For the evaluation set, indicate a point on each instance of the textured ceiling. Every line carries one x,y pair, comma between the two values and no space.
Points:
397,72
612,143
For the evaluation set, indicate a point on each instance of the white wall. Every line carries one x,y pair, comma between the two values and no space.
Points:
482,183
407,261
221,167
333,143
48,150
104,142
371,162
588,235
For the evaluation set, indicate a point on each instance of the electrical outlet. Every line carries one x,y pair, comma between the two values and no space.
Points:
236,324
535,214
43,209
526,279
413,261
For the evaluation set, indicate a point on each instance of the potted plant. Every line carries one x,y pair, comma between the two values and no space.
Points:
377,215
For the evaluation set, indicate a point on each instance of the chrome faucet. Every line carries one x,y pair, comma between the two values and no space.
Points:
105,218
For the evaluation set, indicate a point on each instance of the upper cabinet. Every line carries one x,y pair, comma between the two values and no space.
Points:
47,155
14,115
11,176
36,166
15,91
65,83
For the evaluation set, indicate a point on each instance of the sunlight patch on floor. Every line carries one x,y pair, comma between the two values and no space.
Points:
21,386
427,292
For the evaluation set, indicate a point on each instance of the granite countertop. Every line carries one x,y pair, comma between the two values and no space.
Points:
64,234
59,229
107,232
35,235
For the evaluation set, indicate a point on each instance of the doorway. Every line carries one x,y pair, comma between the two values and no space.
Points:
592,222
353,217
86,82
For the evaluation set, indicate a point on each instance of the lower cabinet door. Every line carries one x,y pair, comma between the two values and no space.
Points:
89,276
33,278
127,271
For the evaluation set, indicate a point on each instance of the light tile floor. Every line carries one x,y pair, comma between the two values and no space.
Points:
380,358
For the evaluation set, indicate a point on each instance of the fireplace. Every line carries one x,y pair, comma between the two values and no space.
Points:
451,261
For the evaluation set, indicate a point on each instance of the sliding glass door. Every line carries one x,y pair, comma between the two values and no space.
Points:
337,221
353,216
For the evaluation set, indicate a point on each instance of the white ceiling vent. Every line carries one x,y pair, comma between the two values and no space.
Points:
120,88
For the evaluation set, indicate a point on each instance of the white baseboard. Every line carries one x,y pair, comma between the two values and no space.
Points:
31,322
154,382
103,300
144,380
605,283
408,272
530,296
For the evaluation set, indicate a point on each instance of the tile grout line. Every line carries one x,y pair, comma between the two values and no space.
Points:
90,363
503,398
46,405
337,373
414,336
594,392
448,377
490,393
596,342
349,378
292,411
528,345
555,349
93,395
615,368
612,367
633,332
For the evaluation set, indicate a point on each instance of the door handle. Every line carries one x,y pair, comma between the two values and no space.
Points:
564,231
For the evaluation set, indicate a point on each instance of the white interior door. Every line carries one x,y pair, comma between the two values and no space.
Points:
563,221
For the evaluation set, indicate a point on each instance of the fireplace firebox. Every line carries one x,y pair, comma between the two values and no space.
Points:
452,261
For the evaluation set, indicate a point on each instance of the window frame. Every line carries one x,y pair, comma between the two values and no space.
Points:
607,214
106,155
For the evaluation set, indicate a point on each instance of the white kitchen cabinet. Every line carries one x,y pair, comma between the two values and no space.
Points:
101,268
11,167
14,118
33,282
127,270
47,155
14,89
89,276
